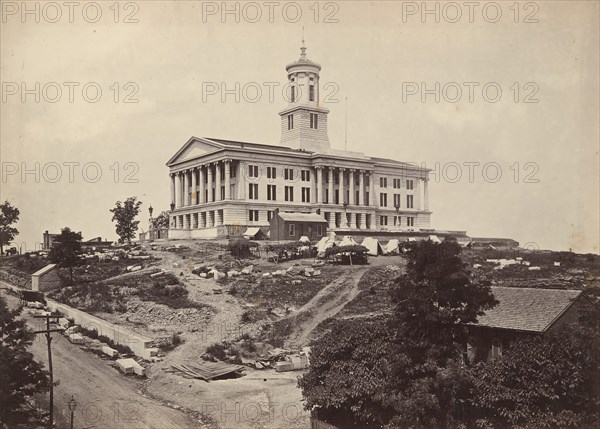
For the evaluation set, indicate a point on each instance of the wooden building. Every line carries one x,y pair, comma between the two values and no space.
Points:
292,226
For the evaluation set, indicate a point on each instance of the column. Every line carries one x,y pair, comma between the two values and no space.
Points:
361,189
209,181
319,185
362,223
241,182
172,180
426,192
372,196
186,187
201,185
352,221
177,189
331,190
194,199
313,197
227,179
217,181
342,191
352,199
331,220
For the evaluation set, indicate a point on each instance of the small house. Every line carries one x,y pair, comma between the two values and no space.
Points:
293,225
45,279
522,312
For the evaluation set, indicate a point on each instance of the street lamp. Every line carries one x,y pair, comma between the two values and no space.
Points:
72,408
150,209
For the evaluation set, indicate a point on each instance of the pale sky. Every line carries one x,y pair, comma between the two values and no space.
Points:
373,55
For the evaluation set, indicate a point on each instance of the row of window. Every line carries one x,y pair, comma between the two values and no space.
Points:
314,121
288,173
383,200
410,184
272,193
410,220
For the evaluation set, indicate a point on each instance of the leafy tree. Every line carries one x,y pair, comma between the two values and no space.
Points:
66,249
124,215
161,221
20,375
415,377
8,216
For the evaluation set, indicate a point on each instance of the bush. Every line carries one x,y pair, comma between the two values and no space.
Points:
241,248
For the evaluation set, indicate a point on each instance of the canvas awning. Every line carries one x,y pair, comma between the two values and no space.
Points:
251,232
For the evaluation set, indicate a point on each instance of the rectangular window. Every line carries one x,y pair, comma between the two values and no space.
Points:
396,183
409,201
337,196
367,199
253,215
292,229
290,122
288,173
271,192
311,93
289,193
383,220
293,94
383,199
305,175
253,171
410,221
410,184
326,195
222,192
253,191
269,215
383,182
319,229
314,121
271,173
305,195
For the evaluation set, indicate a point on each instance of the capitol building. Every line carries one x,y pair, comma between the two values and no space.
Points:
221,187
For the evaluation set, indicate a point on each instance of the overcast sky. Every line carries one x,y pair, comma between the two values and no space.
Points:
378,55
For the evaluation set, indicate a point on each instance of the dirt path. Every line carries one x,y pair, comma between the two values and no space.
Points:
106,399
327,303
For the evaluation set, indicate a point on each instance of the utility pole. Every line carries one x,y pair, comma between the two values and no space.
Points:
47,332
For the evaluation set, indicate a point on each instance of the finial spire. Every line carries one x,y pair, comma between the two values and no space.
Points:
303,48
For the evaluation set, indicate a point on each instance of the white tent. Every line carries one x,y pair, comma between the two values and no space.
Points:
253,233
373,245
435,239
304,239
324,244
392,247
347,241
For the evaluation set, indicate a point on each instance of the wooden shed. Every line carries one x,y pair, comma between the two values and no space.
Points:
293,225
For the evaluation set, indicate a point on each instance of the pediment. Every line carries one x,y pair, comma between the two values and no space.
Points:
194,148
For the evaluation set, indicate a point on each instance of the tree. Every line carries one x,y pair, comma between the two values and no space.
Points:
124,215
415,377
20,375
66,249
8,216
161,221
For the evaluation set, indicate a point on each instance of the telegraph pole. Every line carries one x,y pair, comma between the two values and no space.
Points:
47,333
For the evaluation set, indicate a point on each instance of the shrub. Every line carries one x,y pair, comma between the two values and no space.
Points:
241,248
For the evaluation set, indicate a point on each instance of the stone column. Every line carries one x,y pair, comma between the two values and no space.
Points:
313,197
372,196
194,199
186,221
352,221
426,192
241,182
361,189
178,189
209,181
218,181
352,198
186,188
362,224
331,220
319,185
172,180
201,185
227,179
342,191
331,187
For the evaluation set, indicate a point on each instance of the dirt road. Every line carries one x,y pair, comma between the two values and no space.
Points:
106,399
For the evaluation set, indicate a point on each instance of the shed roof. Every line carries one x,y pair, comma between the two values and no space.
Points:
302,217
527,309
44,270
